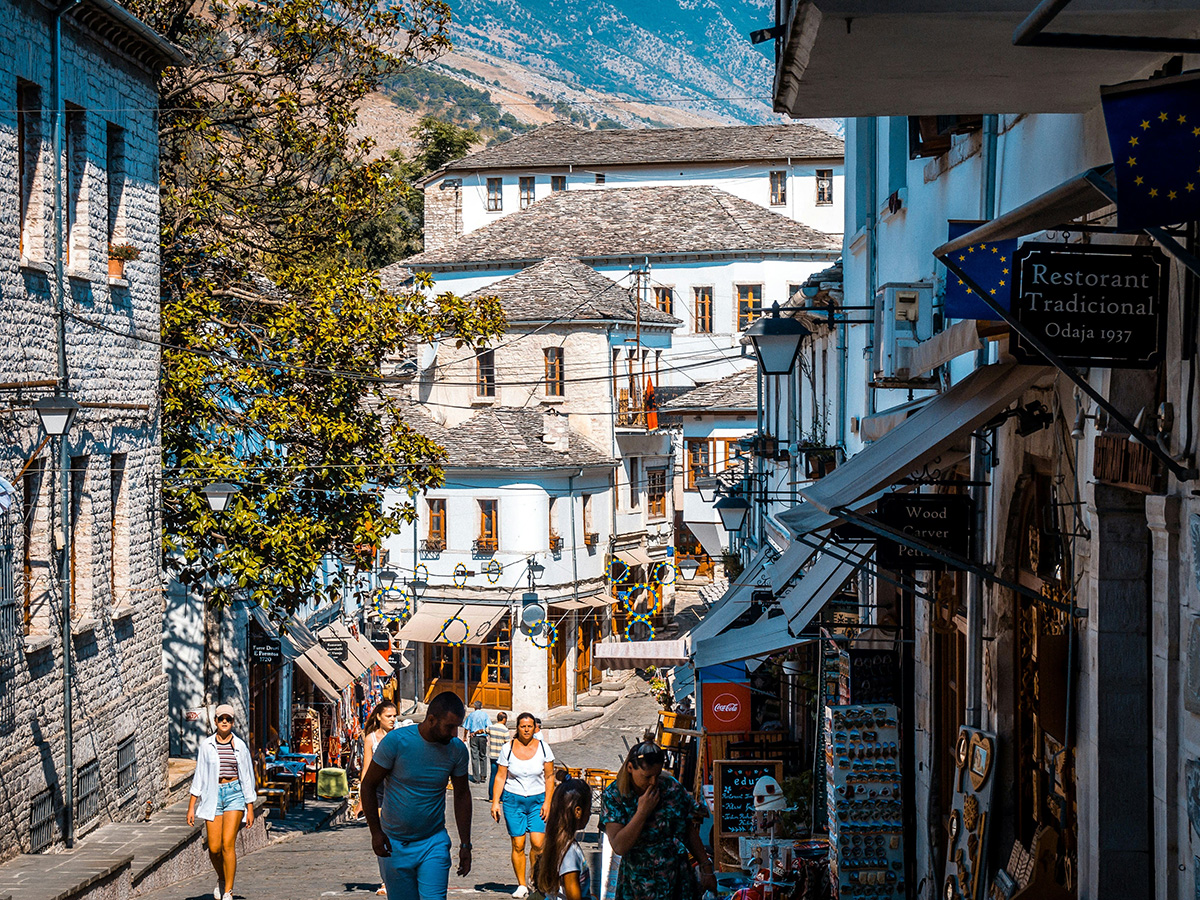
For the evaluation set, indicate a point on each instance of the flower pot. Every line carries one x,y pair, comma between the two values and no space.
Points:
116,268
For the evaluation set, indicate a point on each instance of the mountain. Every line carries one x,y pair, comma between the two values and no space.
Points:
692,55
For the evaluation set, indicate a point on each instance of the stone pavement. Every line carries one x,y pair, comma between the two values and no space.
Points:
337,861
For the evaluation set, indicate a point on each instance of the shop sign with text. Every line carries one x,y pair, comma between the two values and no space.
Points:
1090,304
940,520
264,648
725,707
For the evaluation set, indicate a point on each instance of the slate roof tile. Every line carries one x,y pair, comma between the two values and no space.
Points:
738,391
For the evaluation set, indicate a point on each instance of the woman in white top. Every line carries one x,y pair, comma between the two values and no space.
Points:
223,794
524,786
381,720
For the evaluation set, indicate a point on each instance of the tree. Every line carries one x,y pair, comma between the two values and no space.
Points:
275,331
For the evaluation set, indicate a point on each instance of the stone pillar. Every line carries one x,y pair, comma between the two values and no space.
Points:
443,214
1162,515
1113,718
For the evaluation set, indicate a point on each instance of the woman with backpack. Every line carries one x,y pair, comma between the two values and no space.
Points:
523,789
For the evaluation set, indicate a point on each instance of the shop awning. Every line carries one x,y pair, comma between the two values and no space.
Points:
927,438
359,647
595,601
782,626
481,621
320,682
634,556
734,601
682,680
1076,197
427,624
334,671
639,654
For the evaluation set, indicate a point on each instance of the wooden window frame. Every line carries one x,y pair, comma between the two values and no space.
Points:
664,298
558,183
485,373
779,187
635,498
702,309
527,187
495,195
822,198
554,359
751,315
435,508
696,468
489,524
656,492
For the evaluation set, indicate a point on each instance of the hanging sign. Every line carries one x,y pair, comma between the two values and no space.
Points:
725,707
1091,305
264,648
942,520
337,650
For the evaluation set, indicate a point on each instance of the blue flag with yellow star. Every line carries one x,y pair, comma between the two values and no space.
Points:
989,265
1154,132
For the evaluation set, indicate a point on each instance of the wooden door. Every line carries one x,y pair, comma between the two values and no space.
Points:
556,661
587,674
485,671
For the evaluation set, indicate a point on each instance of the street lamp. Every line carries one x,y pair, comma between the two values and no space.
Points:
387,578
777,341
57,413
732,511
688,566
218,495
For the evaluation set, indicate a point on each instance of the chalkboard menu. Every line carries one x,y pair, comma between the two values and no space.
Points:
734,787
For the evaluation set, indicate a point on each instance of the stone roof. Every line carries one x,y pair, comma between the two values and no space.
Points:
738,391
560,145
565,289
508,438
628,222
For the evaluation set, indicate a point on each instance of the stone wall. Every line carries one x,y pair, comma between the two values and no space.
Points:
118,687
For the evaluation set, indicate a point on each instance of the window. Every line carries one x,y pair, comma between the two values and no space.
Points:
127,768
485,373
552,524
11,627
703,297
897,154
749,304
35,528
779,188
699,460
87,793
81,538
634,487
489,526
118,531
29,146
555,382
526,185
437,524
824,187
664,299
75,241
599,178
114,165
733,451
558,183
794,297
41,821
656,492
495,197
588,529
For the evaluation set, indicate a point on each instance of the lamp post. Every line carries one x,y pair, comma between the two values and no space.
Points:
56,414
733,512
688,566
777,341
217,496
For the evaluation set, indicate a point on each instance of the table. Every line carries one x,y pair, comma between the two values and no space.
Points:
290,776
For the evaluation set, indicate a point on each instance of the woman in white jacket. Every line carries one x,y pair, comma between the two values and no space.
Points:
223,794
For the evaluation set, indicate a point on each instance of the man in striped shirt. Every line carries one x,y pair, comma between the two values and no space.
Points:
497,735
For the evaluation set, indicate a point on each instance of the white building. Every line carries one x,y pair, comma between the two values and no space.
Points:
548,464
110,64
794,170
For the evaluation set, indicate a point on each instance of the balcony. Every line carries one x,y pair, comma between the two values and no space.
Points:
630,413
485,546
1119,462
556,544
591,538
432,547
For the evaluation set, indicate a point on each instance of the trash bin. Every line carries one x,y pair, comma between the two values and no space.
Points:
332,784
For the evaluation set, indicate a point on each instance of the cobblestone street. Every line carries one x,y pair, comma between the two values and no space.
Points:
337,861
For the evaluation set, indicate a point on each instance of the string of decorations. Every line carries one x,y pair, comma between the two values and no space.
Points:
448,639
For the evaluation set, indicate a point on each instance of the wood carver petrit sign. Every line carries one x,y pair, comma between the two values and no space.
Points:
1090,304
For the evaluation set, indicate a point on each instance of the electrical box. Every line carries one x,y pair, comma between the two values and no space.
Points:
903,319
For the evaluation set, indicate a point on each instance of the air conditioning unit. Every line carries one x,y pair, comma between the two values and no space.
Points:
903,319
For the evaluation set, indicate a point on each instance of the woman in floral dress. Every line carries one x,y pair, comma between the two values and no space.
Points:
652,822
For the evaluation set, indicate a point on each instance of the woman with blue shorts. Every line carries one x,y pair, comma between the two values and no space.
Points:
524,785
223,794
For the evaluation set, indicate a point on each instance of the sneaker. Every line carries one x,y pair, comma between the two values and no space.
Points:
228,896
521,892
217,892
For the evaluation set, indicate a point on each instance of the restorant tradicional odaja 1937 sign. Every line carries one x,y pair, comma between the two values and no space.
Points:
1091,304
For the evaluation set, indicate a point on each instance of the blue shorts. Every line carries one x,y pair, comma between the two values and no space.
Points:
230,798
417,870
523,815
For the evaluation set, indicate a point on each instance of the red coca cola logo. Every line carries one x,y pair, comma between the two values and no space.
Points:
726,708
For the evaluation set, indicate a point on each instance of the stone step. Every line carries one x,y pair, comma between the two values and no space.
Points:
612,686
600,700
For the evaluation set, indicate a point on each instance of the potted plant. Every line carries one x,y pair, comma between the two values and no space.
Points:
118,255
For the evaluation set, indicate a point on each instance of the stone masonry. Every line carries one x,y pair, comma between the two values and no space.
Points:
111,195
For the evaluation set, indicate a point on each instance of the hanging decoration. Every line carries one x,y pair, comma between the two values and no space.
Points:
644,618
466,631
460,575
548,629
492,570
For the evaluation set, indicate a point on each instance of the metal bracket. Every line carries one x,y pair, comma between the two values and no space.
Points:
1030,34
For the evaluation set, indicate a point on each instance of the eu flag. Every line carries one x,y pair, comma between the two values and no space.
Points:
1154,132
989,265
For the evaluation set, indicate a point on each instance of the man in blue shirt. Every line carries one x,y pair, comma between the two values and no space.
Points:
476,726
410,839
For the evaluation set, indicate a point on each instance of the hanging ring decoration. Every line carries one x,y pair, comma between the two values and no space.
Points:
421,572
548,628
626,597
492,570
460,575
392,594
447,638
661,570
611,561
644,618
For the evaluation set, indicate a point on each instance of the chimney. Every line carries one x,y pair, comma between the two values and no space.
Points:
555,431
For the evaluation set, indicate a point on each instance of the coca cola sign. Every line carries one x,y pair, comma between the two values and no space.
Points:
726,707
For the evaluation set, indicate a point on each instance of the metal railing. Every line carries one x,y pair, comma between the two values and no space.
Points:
87,793
41,821
127,768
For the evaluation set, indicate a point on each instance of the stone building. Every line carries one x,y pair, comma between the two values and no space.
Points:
108,362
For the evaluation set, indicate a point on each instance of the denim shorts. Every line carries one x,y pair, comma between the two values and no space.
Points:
523,815
230,798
